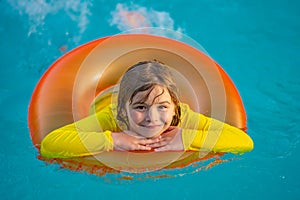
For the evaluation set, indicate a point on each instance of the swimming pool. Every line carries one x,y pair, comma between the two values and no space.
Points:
255,42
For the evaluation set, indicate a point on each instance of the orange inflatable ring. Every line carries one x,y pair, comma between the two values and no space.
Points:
67,90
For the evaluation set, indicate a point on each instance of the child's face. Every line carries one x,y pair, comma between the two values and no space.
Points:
152,117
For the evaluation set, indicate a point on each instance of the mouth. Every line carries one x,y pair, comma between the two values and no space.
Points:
150,131
151,126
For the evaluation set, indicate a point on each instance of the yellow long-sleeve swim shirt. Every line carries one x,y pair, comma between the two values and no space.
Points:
92,135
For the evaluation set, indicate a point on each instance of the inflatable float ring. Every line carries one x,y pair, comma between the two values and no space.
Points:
70,87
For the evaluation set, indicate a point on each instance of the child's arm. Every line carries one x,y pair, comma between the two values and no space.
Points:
212,135
88,136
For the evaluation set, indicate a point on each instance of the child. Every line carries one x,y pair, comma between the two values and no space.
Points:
147,116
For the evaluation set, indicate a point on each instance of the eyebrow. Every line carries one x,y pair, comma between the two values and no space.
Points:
162,102
139,102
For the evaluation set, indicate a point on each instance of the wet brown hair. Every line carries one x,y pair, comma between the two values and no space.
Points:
144,76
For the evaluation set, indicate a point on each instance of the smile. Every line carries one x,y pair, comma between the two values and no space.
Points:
151,126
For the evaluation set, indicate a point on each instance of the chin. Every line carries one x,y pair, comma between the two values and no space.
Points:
150,133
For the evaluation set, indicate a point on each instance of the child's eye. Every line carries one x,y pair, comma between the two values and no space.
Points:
162,107
140,108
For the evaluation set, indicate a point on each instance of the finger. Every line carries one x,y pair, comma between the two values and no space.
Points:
142,147
161,142
136,147
157,137
148,141
158,144
165,140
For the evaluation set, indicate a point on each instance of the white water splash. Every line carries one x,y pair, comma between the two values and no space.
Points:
38,10
135,17
138,19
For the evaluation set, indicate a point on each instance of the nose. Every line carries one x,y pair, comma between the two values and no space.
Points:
152,115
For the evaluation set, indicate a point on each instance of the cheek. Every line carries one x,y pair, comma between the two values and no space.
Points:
136,116
167,117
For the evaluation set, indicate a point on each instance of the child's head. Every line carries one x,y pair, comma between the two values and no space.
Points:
148,98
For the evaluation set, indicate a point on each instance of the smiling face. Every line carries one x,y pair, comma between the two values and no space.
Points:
148,99
150,117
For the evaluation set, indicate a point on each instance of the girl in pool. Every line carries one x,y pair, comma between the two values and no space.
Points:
148,116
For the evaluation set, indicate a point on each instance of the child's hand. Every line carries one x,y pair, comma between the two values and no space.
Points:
126,142
170,140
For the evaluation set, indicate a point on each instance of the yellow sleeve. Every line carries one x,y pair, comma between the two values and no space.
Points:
201,133
88,136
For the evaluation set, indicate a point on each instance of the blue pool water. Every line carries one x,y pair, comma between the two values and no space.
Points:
256,42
